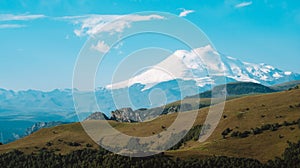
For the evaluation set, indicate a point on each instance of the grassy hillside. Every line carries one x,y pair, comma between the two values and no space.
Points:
240,114
250,112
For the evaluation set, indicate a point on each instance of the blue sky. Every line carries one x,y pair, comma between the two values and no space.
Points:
40,40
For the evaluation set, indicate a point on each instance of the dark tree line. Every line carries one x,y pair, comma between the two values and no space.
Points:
102,158
259,130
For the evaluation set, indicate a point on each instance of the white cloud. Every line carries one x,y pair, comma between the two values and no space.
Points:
23,17
185,12
243,4
101,47
12,20
93,24
8,26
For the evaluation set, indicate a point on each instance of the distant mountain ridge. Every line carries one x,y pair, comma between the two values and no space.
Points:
236,89
286,85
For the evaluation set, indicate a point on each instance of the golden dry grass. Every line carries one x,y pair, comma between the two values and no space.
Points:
242,114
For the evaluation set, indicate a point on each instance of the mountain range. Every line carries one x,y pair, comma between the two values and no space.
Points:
204,65
182,74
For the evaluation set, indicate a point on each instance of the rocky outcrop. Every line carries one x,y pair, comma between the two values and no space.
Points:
140,115
97,116
126,115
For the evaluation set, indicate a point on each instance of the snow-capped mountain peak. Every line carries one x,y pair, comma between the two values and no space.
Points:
181,64
202,65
